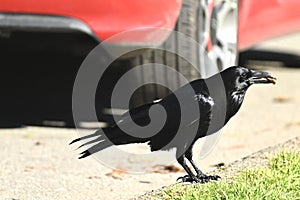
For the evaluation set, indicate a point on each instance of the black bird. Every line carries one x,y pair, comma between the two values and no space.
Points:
197,109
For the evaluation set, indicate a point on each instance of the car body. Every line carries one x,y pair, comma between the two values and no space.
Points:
258,20
263,20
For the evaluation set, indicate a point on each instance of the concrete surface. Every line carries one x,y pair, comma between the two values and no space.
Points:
38,163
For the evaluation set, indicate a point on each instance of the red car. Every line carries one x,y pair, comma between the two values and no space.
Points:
222,28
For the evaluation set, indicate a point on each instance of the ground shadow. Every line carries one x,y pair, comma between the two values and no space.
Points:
38,71
37,75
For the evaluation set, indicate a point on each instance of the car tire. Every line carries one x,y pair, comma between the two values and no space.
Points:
215,28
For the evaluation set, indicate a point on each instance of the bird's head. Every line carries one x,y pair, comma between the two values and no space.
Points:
240,78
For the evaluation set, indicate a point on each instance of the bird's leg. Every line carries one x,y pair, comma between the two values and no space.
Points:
200,175
189,156
191,176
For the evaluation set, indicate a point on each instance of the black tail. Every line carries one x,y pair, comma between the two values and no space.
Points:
100,139
105,138
113,135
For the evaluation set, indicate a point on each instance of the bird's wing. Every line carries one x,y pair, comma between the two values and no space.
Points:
182,100
206,104
139,115
189,104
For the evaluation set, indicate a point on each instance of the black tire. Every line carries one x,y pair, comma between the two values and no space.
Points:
189,23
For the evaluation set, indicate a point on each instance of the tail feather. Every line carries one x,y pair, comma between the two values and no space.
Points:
101,143
90,142
85,137
106,137
97,147
84,154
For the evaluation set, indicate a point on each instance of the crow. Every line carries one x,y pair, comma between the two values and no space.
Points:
195,110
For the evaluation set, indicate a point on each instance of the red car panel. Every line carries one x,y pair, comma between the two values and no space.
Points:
258,20
107,18
262,20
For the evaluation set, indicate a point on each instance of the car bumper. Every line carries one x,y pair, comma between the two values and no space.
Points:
27,22
100,19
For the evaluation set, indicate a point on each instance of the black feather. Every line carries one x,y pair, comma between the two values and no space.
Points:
84,137
90,142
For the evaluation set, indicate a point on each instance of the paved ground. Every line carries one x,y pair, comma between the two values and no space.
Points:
38,163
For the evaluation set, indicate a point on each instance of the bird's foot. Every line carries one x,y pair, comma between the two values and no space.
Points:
203,178
188,179
200,178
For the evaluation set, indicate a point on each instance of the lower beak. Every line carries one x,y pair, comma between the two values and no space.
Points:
262,77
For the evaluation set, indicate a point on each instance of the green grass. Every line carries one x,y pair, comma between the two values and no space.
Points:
279,180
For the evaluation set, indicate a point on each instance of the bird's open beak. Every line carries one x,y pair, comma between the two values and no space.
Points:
262,77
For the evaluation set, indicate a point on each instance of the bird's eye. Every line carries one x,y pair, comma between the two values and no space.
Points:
244,75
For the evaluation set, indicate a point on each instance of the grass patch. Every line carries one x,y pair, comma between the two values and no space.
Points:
279,180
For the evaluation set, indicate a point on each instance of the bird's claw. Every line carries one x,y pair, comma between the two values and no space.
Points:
187,179
200,178
206,178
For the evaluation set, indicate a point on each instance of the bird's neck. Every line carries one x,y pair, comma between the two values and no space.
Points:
234,102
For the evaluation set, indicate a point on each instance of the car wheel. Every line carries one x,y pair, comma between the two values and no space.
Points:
214,25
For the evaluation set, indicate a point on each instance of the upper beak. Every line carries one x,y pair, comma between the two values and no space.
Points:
262,77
